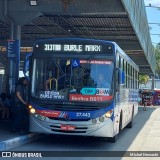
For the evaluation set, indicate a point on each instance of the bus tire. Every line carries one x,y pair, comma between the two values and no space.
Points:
120,122
130,124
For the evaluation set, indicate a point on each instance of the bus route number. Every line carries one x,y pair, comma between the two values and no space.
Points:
80,114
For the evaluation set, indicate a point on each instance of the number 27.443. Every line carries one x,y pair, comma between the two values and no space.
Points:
80,114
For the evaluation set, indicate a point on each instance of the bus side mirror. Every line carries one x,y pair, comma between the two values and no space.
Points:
26,66
120,76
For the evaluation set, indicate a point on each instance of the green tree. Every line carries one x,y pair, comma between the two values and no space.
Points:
143,79
157,54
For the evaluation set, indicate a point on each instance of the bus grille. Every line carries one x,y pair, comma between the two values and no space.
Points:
65,119
62,107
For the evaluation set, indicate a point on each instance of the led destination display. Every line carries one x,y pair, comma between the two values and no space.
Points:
72,48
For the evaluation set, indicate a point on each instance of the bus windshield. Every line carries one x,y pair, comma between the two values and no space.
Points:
72,80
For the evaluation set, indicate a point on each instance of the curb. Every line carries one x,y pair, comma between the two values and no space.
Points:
15,142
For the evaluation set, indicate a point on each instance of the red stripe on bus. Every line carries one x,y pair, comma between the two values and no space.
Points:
48,113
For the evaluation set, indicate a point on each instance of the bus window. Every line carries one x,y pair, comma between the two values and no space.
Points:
68,76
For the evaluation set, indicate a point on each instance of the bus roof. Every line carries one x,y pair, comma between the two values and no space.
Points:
126,57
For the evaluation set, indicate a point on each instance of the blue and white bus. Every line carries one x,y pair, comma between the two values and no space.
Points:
64,94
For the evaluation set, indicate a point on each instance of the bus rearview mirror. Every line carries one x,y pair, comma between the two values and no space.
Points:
26,66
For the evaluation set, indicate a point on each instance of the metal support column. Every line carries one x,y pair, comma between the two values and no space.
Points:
13,49
14,56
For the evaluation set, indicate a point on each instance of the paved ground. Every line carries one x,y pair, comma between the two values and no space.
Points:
5,133
10,140
148,139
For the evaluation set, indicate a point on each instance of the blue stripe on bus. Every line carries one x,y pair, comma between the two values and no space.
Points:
78,114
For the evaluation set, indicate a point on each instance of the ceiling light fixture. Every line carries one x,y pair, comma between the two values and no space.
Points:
33,2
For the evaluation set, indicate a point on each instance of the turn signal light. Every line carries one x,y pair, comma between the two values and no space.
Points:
29,106
109,114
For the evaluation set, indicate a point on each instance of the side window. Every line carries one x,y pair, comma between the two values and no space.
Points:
129,76
136,79
117,60
125,73
122,63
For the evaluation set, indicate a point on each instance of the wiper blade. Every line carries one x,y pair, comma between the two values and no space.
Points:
89,60
58,66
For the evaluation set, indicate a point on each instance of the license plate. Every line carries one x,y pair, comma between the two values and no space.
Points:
67,127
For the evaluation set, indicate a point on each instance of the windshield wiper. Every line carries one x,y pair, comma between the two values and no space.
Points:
58,66
89,60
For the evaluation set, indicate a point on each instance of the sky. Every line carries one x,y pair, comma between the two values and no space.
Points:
153,15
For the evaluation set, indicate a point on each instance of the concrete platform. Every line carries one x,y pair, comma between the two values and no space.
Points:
10,140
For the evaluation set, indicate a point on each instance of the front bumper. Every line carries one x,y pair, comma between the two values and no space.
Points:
82,128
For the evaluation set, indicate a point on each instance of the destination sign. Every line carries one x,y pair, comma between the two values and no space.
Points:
72,48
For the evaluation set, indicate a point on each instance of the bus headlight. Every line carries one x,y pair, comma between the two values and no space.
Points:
32,110
109,114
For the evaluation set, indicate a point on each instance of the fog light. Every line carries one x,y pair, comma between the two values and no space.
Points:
42,118
109,114
32,110
94,121
101,119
